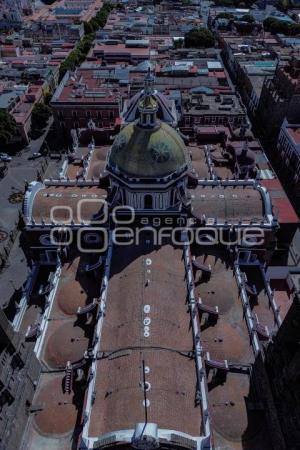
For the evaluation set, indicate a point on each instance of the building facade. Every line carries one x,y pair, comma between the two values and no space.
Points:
19,374
288,148
280,98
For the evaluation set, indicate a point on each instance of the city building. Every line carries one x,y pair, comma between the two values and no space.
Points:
19,101
45,31
282,358
280,98
12,12
132,52
249,61
288,155
19,374
201,107
64,11
84,96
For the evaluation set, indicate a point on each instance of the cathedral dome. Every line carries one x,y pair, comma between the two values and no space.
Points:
148,152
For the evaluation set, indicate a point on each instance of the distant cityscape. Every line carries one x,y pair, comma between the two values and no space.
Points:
149,226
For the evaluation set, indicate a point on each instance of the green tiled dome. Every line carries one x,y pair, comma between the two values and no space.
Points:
153,152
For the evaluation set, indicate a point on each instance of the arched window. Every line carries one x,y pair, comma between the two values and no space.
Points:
148,201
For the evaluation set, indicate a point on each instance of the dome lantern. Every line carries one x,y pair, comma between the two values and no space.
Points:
148,105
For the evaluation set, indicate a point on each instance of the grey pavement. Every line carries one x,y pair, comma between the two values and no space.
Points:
20,169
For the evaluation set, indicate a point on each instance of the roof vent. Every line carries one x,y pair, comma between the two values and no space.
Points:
145,435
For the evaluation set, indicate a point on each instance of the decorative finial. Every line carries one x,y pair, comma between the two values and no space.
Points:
148,106
149,83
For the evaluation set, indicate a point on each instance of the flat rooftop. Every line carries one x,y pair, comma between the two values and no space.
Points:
88,87
209,104
107,50
60,9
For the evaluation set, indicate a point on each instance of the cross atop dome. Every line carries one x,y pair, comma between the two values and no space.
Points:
149,83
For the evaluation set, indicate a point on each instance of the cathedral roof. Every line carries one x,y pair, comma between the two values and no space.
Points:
148,152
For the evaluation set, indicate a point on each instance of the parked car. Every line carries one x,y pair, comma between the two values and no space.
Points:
4,157
35,155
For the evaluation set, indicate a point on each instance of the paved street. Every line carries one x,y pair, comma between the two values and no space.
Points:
20,169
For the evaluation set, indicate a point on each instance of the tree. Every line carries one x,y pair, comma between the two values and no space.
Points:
178,43
224,2
39,118
100,19
86,43
225,15
236,3
75,58
8,127
47,97
283,5
247,18
78,55
281,26
199,38
294,29
87,28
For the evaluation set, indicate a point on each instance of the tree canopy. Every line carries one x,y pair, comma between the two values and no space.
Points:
225,15
235,3
281,26
284,5
47,98
247,18
8,127
199,38
78,55
99,20
39,118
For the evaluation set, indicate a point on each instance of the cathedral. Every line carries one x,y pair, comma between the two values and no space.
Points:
149,335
